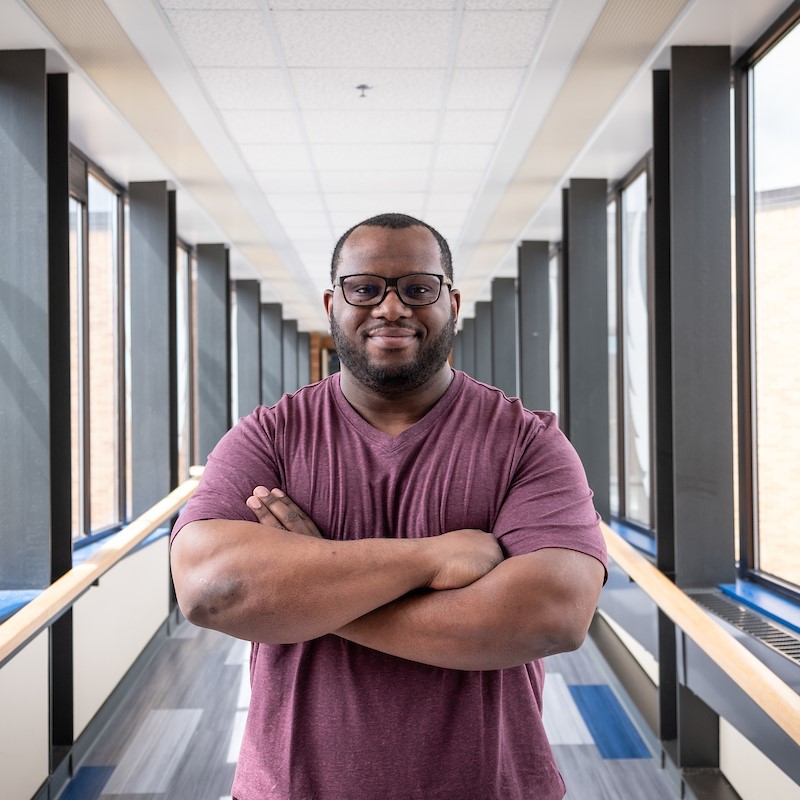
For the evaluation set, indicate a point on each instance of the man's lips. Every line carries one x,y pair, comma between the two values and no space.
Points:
391,336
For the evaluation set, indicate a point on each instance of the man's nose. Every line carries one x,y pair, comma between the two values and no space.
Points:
391,307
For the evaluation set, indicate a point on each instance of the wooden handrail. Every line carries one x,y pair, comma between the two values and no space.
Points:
43,610
775,698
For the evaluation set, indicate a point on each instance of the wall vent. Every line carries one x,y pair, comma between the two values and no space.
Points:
752,624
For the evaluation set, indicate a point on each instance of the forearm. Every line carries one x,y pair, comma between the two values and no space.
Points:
269,585
505,619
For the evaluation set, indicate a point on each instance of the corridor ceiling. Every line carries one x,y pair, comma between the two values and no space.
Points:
283,122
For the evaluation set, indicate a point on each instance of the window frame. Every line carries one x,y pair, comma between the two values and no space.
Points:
82,168
745,270
615,195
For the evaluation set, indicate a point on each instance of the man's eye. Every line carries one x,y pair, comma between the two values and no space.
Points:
364,289
417,290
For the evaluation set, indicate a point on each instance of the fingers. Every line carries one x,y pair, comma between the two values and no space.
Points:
276,510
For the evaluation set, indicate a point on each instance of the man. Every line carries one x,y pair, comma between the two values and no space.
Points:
402,544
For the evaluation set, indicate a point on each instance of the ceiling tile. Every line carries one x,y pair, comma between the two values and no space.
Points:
499,38
240,88
374,181
456,181
473,126
463,156
363,5
300,219
253,127
395,89
279,181
276,156
224,38
298,201
407,202
220,4
359,157
385,38
509,5
449,201
446,219
370,126
484,88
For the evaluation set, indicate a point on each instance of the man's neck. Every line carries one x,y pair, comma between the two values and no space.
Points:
396,412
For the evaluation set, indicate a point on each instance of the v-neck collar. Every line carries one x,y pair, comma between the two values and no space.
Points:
384,440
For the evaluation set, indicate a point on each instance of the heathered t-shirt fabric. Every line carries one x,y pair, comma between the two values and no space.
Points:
332,720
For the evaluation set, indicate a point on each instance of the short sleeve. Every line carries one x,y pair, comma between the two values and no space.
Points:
243,459
549,502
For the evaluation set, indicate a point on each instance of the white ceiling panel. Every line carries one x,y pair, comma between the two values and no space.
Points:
370,126
473,126
459,156
456,181
391,89
374,181
509,5
224,38
499,38
372,156
449,201
306,201
241,88
276,156
364,38
355,201
262,127
484,88
446,219
279,181
363,5
299,219
220,4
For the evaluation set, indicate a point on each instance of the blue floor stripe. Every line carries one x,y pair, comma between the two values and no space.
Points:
87,784
611,728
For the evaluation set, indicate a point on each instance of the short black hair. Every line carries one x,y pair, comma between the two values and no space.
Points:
395,221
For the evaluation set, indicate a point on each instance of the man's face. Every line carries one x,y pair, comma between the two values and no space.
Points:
392,348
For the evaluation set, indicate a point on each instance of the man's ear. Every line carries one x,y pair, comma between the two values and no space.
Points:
327,300
455,304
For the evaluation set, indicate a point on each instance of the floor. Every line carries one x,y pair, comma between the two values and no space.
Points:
173,739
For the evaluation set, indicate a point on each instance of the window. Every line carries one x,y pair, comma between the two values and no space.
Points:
629,348
553,279
775,322
184,343
98,445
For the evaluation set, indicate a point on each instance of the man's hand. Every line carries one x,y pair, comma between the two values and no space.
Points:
462,557
457,558
275,510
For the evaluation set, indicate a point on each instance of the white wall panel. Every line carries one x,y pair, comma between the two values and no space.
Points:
113,622
24,720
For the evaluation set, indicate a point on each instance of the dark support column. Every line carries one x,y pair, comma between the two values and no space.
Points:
467,336
25,557
154,444
213,346
271,353
701,316
587,333
303,359
702,453
504,335
533,287
61,683
483,342
290,355
248,346
662,400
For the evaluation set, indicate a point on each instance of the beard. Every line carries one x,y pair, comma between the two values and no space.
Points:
430,358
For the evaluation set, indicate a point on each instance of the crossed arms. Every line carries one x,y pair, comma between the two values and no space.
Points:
279,581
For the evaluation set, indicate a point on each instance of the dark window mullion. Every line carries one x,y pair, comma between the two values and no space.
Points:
86,518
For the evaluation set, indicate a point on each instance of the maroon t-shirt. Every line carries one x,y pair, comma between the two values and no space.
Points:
332,720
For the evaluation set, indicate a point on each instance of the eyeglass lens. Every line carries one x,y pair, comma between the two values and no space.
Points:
420,289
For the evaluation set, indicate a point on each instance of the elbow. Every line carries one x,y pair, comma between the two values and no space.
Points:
564,634
207,602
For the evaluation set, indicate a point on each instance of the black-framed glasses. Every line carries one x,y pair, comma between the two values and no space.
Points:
416,289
